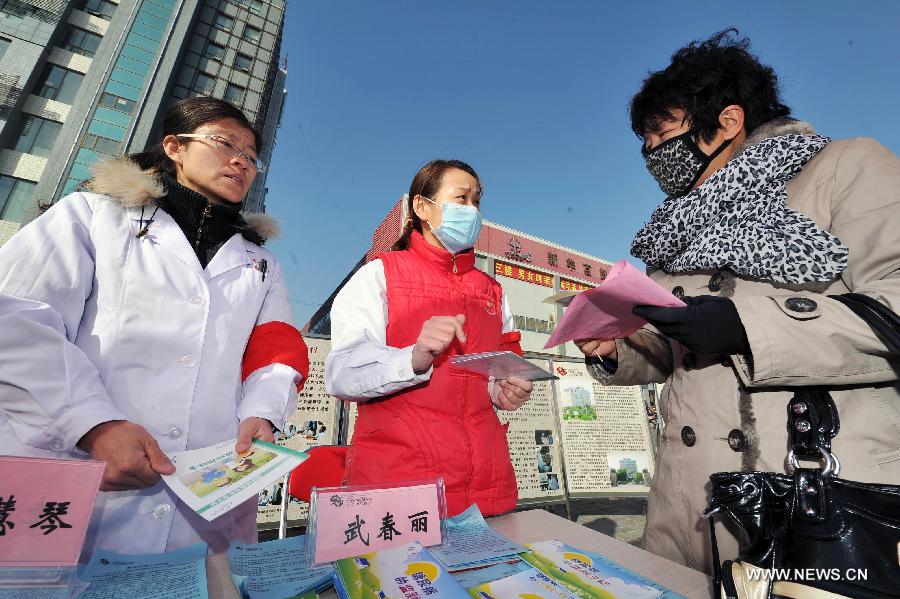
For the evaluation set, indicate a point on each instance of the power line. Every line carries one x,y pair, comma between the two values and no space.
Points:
303,302
315,166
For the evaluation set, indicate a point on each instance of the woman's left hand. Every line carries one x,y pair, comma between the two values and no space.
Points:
513,393
253,428
706,325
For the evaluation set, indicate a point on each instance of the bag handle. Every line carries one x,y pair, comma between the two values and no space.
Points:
884,321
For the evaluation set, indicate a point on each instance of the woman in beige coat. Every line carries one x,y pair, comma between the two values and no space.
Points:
763,221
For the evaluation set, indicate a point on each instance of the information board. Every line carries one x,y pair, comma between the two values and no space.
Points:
534,444
606,444
314,423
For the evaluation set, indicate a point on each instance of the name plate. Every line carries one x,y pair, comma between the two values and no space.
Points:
45,508
352,521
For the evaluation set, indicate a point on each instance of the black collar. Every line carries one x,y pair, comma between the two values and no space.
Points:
207,225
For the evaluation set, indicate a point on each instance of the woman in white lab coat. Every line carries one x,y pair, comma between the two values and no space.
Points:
144,317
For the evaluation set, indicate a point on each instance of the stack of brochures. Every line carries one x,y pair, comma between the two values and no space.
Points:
562,571
471,543
179,573
276,569
404,571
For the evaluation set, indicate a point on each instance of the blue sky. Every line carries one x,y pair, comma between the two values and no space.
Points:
534,95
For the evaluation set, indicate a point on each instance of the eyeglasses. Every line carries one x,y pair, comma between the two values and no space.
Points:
227,148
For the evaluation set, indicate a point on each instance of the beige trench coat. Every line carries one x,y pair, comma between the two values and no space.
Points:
728,413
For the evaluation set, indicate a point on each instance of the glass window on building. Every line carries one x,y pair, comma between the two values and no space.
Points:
116,103
99,144
256,6
4,44
242,62
235,93
57,83
15,198
37,136
215,51
80,41
204,84
17,10
98,8
223,22
252,34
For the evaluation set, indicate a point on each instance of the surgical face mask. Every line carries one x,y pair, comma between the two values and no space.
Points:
460,226
677,163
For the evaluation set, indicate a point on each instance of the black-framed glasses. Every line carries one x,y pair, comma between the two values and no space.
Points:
229,149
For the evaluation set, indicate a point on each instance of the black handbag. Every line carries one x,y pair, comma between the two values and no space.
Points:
808,533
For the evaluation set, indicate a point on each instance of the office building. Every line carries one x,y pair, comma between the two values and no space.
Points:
89,79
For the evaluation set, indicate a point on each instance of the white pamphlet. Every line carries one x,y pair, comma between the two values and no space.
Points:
500,365
215,479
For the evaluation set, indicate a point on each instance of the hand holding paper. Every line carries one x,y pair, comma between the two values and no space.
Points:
605,312
512,393
252,428
601,348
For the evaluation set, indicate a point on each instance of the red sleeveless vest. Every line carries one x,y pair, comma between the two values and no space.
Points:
446,426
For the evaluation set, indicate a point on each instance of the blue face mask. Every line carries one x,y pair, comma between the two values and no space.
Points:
460,226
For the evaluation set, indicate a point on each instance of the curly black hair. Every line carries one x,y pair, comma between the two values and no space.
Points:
704,78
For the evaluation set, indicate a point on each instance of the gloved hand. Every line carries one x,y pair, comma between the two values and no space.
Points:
707,325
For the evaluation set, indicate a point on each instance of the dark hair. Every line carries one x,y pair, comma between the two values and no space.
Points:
702,80
426,183
186,116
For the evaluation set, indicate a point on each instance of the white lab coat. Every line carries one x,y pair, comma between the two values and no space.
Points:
100,325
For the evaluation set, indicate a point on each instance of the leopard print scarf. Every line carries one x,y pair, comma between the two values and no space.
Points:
738,219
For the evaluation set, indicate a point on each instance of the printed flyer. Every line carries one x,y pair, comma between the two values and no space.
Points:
531,583
404,572
590,575
276,569
215,479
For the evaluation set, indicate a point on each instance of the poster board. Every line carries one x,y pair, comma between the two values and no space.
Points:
606,444
534,446
314,423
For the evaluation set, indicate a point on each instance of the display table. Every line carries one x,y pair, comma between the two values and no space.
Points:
538,525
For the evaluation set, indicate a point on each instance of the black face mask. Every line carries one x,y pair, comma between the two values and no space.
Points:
677,163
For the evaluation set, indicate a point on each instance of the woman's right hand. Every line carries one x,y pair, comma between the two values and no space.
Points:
598,348
437,333
133,457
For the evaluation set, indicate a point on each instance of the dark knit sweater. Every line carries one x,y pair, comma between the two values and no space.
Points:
207,225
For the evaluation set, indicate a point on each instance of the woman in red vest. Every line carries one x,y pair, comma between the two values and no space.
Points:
394,326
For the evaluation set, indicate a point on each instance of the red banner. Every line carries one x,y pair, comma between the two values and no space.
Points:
567,285
523,274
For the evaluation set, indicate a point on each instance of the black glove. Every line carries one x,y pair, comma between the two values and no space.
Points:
708,325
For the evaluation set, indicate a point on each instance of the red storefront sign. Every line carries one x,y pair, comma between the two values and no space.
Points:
523,274
567,285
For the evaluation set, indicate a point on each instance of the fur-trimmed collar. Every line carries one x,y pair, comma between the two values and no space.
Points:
781,126
125,183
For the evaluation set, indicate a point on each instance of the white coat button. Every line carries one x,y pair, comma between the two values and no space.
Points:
58,444
188,361
175,433
162,510
197,300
